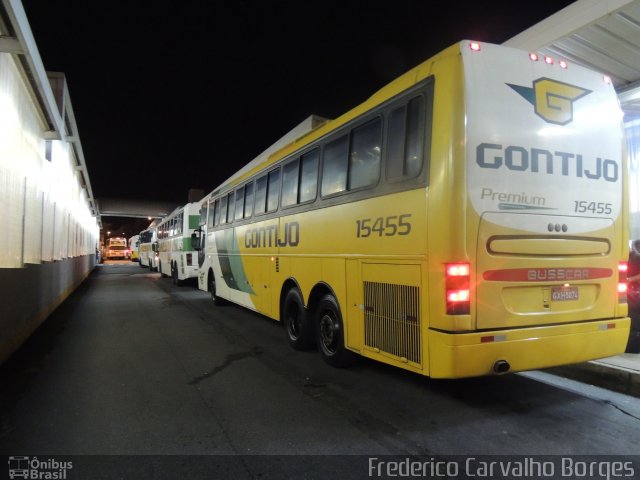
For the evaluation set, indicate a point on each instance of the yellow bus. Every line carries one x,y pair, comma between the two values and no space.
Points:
467,219
134,247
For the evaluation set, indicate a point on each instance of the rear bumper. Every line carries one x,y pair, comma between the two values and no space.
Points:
466,355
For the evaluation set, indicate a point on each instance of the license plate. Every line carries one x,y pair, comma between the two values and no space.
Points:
563,294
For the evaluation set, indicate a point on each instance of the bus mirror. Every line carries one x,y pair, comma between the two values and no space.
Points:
195,239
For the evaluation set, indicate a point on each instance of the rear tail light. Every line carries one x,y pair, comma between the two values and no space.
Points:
457,286
623,268
475,46
189,259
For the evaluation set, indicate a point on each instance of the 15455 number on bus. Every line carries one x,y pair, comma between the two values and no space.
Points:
599,208
384,226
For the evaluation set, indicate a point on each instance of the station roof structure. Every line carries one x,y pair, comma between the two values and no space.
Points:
603,35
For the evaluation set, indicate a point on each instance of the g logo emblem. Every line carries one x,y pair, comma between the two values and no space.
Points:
552,100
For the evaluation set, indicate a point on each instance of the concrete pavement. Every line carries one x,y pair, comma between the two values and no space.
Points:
620,373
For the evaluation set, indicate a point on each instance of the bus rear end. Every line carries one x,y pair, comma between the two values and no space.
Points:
542,280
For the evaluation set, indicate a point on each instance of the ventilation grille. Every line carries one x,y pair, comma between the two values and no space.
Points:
392,319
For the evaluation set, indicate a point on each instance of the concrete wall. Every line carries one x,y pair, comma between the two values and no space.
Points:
48,223
28,295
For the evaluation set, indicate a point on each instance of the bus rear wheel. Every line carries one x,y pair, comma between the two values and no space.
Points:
175,279
330,334
212,289
297,324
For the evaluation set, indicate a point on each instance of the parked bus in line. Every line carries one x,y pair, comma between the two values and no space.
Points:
147,253
116,247
176,257
134,247
467,219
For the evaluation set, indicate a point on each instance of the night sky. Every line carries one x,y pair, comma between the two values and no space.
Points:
170,96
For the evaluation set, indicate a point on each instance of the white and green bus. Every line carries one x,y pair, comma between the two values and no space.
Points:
176,257
148,257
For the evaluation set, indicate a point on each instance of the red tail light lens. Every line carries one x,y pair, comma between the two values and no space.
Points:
457,285
623,268
189,259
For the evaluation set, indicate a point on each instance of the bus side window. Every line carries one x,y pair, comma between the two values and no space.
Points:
309,176
216,213
273,190
364,155
230,205
415,137
405,140
290,183
248,200
206,214
223,210
334,166
261,195
211,216
239,203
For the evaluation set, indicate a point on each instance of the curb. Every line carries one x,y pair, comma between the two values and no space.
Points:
602,374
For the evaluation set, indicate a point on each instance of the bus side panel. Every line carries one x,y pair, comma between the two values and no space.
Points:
354,328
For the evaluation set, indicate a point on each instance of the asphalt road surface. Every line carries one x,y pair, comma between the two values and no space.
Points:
131,365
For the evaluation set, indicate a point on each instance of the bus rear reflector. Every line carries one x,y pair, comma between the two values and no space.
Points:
457,285
623,268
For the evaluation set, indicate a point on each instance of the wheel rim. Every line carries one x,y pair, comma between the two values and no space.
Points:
294,322
329,327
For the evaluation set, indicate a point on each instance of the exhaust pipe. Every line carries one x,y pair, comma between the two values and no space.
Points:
501,366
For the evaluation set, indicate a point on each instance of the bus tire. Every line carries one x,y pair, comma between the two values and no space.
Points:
330,334
297,323
212,289
175,279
